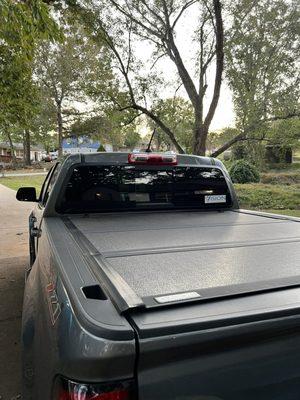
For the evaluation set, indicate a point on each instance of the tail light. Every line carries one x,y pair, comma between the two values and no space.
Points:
152,159
65,389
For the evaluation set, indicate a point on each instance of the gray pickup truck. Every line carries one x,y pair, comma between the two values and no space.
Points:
148,282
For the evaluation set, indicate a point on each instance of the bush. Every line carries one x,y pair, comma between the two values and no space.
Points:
101,148
243,172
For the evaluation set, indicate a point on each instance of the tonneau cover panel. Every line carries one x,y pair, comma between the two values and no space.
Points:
211,254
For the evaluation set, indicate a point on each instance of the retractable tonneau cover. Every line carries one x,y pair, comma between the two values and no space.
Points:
166,258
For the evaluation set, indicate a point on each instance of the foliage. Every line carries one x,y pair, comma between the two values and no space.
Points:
262,58
262,53
101,148
262,197
131,138
218,138
17,91
22,25
285,133
243,172
178,114
63,71
125,26
108,127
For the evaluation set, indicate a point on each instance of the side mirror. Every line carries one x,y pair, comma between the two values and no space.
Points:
26,194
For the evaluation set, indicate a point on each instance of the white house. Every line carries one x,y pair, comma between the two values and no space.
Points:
6,157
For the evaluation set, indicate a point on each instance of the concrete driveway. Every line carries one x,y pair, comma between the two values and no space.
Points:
13,261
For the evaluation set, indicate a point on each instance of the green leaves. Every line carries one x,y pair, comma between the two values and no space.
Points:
23,23
22,26
243,172
263,59
177,113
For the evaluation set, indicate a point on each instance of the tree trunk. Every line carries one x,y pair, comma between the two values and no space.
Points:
200,136
200,131
24,149
27,147
59,129
12,149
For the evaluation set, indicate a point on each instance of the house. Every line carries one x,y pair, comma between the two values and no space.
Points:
82,144
6,157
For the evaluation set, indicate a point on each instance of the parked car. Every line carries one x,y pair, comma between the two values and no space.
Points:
53,155
47,158
147,282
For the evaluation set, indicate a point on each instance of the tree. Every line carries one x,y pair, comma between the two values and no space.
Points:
177,113
122,25
99,127
262,65
108,126
60,71
131,137
22,25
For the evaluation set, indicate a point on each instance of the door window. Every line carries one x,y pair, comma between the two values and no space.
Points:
49,183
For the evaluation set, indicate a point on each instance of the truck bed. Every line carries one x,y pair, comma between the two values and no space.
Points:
202,254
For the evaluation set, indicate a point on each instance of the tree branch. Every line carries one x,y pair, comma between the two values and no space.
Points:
183,9
243,135
159,123
219,63
136,21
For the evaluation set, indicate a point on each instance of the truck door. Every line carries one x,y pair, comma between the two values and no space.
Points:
35,218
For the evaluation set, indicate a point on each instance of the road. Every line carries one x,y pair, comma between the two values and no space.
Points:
13,261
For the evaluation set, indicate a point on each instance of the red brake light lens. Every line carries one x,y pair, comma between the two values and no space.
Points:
69,390
152,159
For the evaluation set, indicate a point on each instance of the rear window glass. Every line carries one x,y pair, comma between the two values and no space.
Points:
124,187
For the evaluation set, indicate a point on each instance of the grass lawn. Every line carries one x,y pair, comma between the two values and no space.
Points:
19,181
266,196
292,213
277,199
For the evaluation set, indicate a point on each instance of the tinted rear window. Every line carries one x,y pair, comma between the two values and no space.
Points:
124,187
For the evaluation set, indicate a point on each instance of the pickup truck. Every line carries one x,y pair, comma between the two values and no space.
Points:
147,282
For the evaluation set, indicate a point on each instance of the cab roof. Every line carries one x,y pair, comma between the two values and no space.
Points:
114,158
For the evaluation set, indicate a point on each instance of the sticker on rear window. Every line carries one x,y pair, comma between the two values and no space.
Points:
221,198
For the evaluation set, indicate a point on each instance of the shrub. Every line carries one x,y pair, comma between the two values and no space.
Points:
243,172
101,148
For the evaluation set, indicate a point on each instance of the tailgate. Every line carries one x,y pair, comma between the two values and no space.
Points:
238,349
